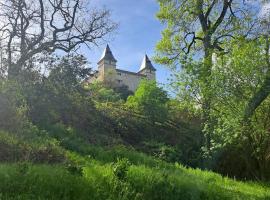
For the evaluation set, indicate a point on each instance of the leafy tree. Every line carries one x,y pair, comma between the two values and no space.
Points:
263,92
13,107
150,100
199,29
123,91
237,77
60,97
69,71
103,94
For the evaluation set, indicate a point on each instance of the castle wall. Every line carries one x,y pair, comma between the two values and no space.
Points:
148,73
108,74
130,79
117,78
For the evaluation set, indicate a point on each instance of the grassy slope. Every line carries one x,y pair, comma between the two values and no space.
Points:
93,177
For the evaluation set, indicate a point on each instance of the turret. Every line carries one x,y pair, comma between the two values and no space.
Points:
147,68
107,66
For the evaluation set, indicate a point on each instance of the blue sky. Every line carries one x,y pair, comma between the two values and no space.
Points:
138,33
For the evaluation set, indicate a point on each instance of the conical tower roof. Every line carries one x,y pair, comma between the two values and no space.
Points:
146,64
107,55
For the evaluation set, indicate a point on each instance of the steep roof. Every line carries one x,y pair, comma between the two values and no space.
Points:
146,64
107,54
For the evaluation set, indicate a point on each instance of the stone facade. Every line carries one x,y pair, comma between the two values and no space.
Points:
109,74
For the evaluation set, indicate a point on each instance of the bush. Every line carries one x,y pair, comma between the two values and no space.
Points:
150,100
12,107
37,149
120,168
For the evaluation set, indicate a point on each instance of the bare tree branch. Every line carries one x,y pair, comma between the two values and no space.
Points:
31,27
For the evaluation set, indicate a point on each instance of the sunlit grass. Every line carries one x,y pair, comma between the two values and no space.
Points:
88,172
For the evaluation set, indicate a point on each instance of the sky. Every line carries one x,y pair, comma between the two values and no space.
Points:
137,34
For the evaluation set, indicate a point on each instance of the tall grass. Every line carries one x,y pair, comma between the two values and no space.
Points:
116,173
26,181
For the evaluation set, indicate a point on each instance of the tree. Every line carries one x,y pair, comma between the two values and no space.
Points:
69,71
237,76
13,107
150,100
263,92
201,28
60,97
123,91
31,27
102,94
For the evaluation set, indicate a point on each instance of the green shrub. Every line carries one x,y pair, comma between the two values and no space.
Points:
12,107
74,169
37,149
120,168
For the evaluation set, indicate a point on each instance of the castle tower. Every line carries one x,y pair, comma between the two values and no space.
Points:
107,67
117,78
147,68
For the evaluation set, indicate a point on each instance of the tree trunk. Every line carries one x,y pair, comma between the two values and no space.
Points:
264,91
257,99
206,74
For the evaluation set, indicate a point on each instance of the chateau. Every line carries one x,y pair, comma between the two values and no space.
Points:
109,74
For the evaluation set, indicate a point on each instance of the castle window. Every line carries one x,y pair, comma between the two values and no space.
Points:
119,73
119,81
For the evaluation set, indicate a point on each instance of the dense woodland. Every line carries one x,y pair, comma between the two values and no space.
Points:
63,138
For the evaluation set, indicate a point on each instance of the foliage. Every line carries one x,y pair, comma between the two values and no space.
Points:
221,73
60,97
98,182
34,146
124,92
109,173
13,106
237,77
102,94
69,71
195,32
72,112
150,100
93,170
120,168
199,28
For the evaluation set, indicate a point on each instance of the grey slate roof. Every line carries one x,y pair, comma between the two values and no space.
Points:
146,64
107,54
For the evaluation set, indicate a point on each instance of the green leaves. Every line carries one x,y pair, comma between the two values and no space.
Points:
120,168
150,100
102,94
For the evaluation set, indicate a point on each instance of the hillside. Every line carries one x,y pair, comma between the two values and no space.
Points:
192,123
70,168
